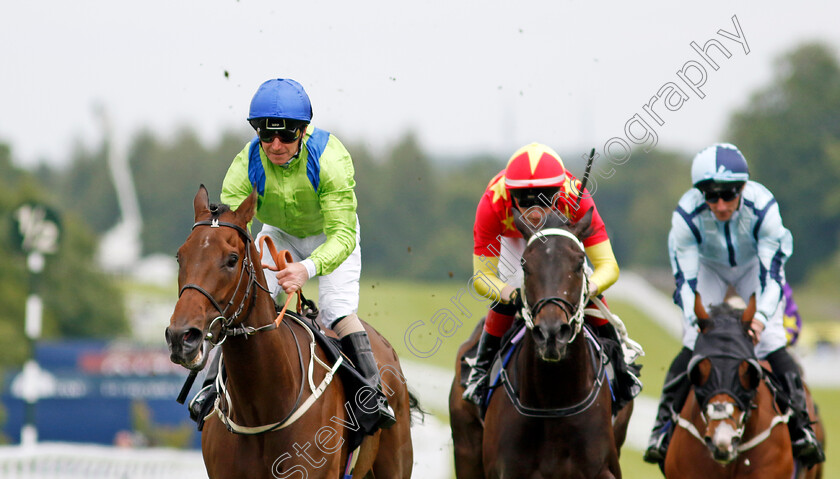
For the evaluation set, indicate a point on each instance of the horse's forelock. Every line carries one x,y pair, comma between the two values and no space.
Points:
557,220
218,209
725,312
726,318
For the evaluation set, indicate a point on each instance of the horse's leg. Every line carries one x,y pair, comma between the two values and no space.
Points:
394,457
467,431
815,472
620,425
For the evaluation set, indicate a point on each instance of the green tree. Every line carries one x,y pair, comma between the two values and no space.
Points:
636,204
789,132
79,301
167,177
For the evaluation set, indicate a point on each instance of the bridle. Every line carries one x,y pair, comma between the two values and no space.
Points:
721,411
229,329
226,324
575,312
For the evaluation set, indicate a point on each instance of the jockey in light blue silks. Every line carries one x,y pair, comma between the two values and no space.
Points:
727,232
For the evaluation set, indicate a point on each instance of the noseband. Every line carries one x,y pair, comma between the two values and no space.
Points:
575,312
227,328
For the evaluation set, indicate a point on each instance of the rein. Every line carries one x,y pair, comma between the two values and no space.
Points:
597,360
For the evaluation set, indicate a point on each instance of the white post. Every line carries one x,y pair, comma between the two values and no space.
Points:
38,230
31,370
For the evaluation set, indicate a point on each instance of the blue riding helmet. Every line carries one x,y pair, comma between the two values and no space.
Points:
720,163
281,98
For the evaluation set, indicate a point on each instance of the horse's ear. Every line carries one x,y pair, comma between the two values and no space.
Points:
749,312
201,203
699,309
246,210
583,228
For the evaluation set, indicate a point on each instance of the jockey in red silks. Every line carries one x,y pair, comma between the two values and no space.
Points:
536,183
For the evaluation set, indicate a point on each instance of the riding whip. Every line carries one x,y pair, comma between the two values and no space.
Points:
585,176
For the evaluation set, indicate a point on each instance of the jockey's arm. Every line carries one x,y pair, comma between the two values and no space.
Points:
605,267
337,201
684,254
775,245
485,280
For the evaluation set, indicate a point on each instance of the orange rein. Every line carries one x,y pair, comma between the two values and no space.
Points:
280,259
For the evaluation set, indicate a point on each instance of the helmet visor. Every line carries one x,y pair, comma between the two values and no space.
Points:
528,197
269,128
712,192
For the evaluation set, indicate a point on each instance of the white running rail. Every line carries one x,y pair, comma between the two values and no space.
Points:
75,461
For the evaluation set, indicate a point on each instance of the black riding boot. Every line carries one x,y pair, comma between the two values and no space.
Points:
627,384
806,447
674,393
357,347
202,404
476,389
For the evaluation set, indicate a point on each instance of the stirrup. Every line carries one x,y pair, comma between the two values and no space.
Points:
476,386
202,404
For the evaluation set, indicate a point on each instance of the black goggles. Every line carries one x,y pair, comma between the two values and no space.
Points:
270,128
725,194
528,197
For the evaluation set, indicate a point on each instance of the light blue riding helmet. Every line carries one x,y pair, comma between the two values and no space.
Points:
721,163
281,98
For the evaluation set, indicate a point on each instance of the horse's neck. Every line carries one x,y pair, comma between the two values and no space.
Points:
558,384
263,370
763,413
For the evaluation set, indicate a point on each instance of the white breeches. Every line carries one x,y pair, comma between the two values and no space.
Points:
713,280
338,292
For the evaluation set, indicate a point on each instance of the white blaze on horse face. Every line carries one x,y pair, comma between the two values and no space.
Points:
725,435
206,242
724,438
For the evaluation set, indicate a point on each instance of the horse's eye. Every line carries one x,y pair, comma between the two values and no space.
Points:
232,260
178,258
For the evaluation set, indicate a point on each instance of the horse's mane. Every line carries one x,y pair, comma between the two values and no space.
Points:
724,313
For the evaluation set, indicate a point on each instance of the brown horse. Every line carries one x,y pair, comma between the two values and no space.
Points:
553,418
731,426
284,430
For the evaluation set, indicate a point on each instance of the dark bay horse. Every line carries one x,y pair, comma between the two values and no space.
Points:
731,426
224,300
553,418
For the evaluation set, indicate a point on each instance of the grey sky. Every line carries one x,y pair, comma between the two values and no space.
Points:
467,76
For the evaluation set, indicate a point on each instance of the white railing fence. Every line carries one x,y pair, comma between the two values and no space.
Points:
75,461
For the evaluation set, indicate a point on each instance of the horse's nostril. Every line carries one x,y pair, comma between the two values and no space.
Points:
565,332
541,332
191,336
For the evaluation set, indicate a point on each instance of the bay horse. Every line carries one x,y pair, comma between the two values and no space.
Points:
731,425
553,419
273,427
